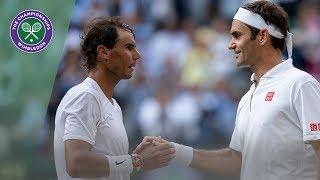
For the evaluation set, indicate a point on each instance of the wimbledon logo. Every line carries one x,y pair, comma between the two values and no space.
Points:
31,31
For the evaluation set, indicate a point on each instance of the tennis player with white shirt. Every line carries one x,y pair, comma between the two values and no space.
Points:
90,141
277,129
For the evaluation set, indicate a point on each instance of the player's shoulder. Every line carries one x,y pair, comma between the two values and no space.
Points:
298,74
299,77
82,92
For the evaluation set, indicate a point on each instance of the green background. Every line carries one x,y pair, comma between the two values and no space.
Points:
26,81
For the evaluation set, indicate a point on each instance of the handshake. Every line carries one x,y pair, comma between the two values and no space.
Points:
154,152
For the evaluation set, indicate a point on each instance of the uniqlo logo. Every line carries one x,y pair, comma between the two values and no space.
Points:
314,126
269,96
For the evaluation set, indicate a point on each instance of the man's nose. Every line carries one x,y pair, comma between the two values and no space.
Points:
137,55
231,45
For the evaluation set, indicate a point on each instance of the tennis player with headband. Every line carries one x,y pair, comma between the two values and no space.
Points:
277,129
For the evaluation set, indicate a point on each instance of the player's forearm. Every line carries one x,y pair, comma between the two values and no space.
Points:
318,169
317,151
87,165
224,161
316,148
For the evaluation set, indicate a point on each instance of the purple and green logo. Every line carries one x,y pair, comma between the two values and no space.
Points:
31,31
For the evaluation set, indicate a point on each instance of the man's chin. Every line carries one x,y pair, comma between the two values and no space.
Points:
127,76
241,64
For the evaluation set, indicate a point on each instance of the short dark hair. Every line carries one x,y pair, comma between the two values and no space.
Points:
272,14
101,31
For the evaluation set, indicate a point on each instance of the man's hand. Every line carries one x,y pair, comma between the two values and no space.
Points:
146,142
316,148
155,152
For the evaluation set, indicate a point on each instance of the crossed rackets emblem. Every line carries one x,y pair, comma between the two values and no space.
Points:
36,27
31,31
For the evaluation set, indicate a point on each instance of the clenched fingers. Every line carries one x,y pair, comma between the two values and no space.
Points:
145,142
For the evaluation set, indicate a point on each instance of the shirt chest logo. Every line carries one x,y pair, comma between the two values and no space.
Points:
108,117
269,96
106,120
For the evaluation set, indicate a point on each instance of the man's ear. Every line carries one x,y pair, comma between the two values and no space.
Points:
103,53
263,37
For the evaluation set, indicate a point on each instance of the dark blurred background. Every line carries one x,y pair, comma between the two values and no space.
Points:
186,87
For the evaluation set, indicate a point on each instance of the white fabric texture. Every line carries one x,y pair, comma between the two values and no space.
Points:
86,114
273,126
119,165
306,104
183,154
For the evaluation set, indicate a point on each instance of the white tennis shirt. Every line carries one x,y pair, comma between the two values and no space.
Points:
275,121
85,113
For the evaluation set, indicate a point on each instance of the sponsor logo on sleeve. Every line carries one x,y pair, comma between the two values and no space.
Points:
314,126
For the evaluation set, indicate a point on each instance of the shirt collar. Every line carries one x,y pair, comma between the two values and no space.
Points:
94,84
277,70
98,88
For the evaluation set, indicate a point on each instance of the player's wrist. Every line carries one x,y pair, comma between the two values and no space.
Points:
119,165
137,162
183,154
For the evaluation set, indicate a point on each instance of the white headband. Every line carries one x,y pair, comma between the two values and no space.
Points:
255,20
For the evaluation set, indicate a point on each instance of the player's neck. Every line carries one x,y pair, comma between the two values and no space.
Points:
265,64
106,83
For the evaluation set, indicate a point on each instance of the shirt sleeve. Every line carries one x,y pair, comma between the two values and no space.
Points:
82,116
235,142
307,106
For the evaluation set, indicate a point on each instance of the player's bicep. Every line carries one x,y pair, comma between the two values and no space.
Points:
74,146
316,148
236,154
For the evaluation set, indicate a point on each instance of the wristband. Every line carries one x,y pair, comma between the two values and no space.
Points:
119,165
183,154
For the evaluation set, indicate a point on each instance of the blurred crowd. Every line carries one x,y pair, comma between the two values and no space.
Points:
186,87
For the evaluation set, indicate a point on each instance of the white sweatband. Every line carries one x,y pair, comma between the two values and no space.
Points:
183,154
255,20
119,165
